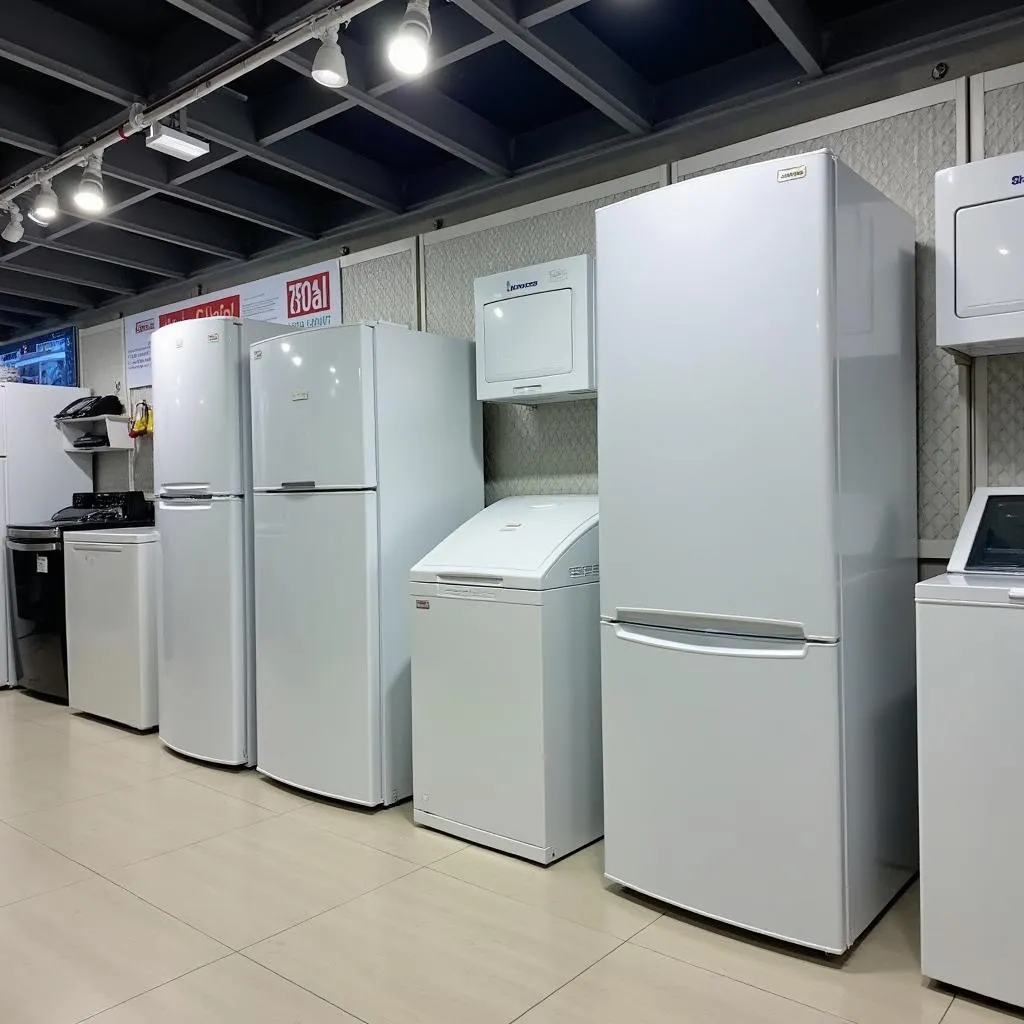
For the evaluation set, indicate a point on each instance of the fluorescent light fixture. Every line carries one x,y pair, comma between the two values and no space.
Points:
174,143
45,208
14,228
409,50
329,67
89,194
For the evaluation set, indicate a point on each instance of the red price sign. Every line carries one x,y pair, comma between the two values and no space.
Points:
230,307
307,295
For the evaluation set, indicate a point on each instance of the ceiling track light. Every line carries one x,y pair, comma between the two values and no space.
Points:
329,67
45,209
14,229
409,49
89,196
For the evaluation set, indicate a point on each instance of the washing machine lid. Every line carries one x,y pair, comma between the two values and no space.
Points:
535,542
991,540
1004,590
139,535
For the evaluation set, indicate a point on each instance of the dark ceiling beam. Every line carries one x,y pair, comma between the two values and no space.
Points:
225,119
108,245
225,15
570,53
194,229
19,323
61,47
536,12
59,266
26,307
27,286
796,28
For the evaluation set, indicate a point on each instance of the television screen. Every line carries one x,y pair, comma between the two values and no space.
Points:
47,359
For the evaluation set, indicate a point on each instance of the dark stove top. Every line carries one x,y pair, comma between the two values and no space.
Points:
100,511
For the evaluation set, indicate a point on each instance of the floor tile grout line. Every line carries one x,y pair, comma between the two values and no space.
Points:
738,981
533,906
153,988
45,892
580,974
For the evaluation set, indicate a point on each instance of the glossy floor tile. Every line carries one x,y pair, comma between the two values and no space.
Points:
433,950
140,887
255,881
636,985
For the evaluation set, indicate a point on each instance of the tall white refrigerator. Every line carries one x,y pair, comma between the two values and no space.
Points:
757,468
366,454
203,477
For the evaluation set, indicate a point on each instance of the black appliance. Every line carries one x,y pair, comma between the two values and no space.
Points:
35,571
91,405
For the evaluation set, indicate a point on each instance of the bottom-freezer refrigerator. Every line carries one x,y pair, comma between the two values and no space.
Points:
366,453
757,480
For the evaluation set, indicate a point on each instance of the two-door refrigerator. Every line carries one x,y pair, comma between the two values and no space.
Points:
366,454
203,477
757,477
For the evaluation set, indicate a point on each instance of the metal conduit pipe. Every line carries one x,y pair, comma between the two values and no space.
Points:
140,118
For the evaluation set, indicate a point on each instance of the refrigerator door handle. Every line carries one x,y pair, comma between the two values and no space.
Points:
702,622
710,643
298,485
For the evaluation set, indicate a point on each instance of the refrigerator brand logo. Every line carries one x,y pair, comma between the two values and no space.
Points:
230,306
145,326
793,173
519,286
1017,179
308,295
422,605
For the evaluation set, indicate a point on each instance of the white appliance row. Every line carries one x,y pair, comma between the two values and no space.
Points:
286,554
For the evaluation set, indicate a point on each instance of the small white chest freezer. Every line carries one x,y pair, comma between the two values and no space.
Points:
506,679
970,692
110,585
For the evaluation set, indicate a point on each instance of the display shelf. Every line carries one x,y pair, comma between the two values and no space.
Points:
114,428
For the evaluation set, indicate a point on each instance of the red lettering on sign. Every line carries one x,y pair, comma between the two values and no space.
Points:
230,306
307,295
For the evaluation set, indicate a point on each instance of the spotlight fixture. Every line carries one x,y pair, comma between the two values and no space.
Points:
89,194
409,50
174,143
329,67
45,208
14,228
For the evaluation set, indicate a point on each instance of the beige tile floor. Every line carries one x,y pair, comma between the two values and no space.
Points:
139,888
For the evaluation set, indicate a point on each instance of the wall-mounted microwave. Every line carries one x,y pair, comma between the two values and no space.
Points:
535,333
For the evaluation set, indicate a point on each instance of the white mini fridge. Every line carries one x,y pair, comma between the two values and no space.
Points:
506,679
366,452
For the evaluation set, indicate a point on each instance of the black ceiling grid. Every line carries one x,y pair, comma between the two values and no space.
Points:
518,92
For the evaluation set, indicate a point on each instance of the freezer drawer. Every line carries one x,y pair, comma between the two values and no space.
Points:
317,643
203,664
722,778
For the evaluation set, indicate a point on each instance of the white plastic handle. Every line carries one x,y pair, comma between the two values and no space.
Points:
1016,594
770,649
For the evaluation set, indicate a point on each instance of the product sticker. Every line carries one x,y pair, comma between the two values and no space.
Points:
793,173
42,563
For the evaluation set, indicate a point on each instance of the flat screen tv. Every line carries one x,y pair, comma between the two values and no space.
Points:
47,359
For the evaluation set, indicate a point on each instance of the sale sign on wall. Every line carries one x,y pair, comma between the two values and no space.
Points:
309,297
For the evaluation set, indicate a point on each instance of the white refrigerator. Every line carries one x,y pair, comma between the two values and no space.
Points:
757,468
202,477
37,476
366,453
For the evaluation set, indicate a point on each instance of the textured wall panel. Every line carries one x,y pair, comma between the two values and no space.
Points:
1004,133
900,156
544,449
380,289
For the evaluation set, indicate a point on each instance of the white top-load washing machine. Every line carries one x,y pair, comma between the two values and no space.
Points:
970,695
110,584
506,700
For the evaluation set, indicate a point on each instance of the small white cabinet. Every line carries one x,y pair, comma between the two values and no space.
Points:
115,429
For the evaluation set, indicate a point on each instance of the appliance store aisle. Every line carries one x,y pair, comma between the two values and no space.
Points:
138,887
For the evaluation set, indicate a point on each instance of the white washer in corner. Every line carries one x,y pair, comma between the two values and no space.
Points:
506,679
110,584
970,719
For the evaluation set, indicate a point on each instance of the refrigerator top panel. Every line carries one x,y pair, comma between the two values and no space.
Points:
199,403
527,543
313,410
717,421
991,539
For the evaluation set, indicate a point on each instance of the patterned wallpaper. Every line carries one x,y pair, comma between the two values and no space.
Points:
542,449
1004,133
381,289
900,156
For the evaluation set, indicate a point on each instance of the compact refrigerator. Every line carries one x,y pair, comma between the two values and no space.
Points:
757,477
37,478
202,477
366,453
